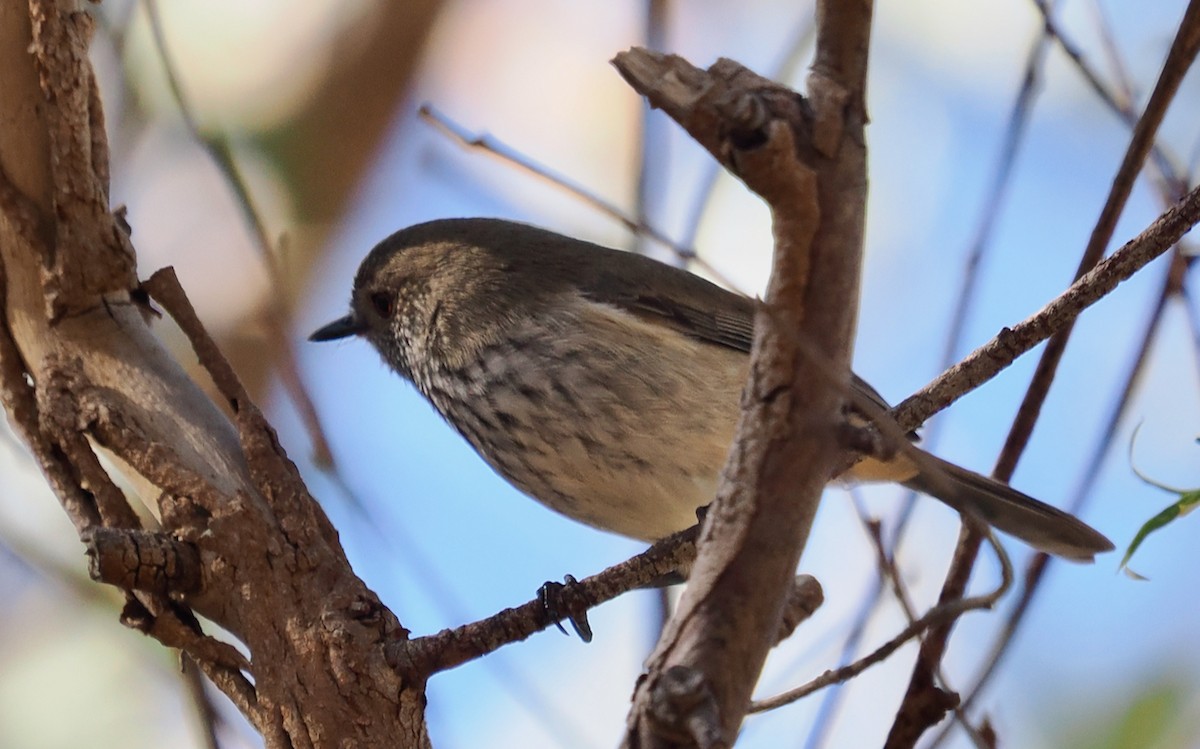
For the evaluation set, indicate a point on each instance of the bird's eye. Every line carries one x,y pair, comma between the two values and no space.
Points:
384,304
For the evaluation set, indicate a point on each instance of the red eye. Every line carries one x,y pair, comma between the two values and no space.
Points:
384,303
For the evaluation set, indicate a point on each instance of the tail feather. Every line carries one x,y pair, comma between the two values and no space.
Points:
1042,526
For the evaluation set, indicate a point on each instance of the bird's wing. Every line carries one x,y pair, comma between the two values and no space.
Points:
671,296
732,327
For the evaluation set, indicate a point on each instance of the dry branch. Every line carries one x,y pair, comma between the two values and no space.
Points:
923,703
271,569
807,159
984,362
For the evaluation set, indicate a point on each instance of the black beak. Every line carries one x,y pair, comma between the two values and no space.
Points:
340,328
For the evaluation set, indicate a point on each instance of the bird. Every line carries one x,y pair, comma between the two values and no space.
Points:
606,384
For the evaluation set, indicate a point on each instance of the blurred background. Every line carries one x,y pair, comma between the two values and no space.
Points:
316,102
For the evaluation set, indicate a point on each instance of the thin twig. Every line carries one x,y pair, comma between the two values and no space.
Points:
652,141
1193,318
1179,60
858,629
1118,104
451,648
922,704
207,715
275,313
410,553
234,685
937,616
794,55
216,146
1038,564
275,317
1171,179
1015,130
1120,71
1172,287
652,182
913,719
1171,185
994,199
1153,242
887,562
983,363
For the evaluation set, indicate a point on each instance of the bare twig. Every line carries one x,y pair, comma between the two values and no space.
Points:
276,318
1120,71
809,165
1015,130
983,363
207,716
925,704
1179,60
887,562
216,146
407,548
1193,317
787,68
917,713
274,572
944,612
652,141
451,648
275,313
1117,102
652,184
1038,565
1171,185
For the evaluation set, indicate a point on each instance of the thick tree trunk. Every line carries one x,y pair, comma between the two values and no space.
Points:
242,541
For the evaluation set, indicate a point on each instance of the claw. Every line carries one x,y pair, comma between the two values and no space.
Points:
562,601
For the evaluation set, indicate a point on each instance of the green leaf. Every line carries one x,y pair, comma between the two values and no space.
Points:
1186,503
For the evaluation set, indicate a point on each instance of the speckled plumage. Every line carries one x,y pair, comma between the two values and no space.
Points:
601,383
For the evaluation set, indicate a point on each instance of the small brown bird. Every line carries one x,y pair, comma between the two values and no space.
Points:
602,383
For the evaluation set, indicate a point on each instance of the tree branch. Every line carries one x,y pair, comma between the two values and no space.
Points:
916,713
984,362
271,568
453,647
807,159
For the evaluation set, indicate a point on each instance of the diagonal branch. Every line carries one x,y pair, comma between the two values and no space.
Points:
1179,60
913,717
984,362
453,647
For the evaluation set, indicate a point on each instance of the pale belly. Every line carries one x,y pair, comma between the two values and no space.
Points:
629,437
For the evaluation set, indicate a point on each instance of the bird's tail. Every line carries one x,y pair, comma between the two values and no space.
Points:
1046,528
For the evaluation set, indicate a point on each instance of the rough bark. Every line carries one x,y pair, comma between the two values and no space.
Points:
81,367
807,159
